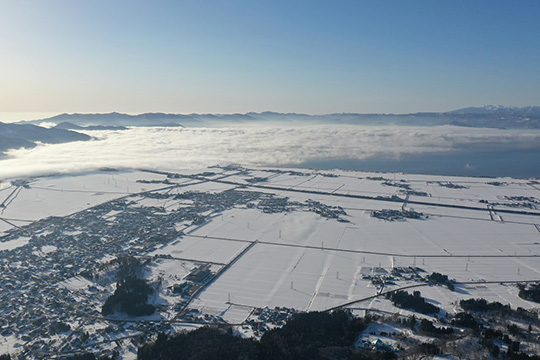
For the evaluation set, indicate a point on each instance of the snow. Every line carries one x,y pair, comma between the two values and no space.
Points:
8,343
298,258
171,267
394,336
236,314
205,249
4,226
13,244
325,278
47,249
64,195
77,283
303,279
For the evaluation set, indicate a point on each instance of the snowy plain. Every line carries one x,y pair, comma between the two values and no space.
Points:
297,238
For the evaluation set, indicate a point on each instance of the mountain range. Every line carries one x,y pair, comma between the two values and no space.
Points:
491,116
27,134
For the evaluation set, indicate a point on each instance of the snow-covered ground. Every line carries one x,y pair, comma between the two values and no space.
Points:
67,194
290,238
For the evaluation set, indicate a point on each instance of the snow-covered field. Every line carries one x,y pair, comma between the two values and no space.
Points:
64,195
290,238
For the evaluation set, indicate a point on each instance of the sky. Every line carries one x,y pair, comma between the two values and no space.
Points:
312,57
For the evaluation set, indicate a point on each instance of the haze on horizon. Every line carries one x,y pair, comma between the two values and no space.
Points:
310,57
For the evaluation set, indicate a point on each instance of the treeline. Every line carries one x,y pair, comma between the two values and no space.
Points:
203,343
319,335
125,266
414,302
489,337
466,320
306,336
428,327
483,305
130,297
531,293
439,278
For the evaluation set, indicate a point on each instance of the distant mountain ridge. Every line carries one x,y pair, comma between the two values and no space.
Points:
500,109
13,136
490,116
27,134
69,126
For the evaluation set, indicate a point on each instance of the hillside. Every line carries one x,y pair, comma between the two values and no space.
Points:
14,136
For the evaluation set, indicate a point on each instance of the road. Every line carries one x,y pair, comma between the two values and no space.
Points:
384,293
215,277
447,255
366,197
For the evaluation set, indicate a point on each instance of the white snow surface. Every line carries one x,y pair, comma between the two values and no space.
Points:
298,258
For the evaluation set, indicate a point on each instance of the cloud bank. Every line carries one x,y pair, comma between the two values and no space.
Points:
178,148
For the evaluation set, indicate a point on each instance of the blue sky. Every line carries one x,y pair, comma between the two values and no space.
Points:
288,56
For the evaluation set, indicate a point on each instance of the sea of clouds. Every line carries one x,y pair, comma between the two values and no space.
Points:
170,148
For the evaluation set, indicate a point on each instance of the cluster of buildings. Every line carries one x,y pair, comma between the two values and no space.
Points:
393,215
263,319
452,185
35,296
329,212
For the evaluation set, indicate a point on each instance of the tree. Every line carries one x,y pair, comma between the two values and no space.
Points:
130,297
414,302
